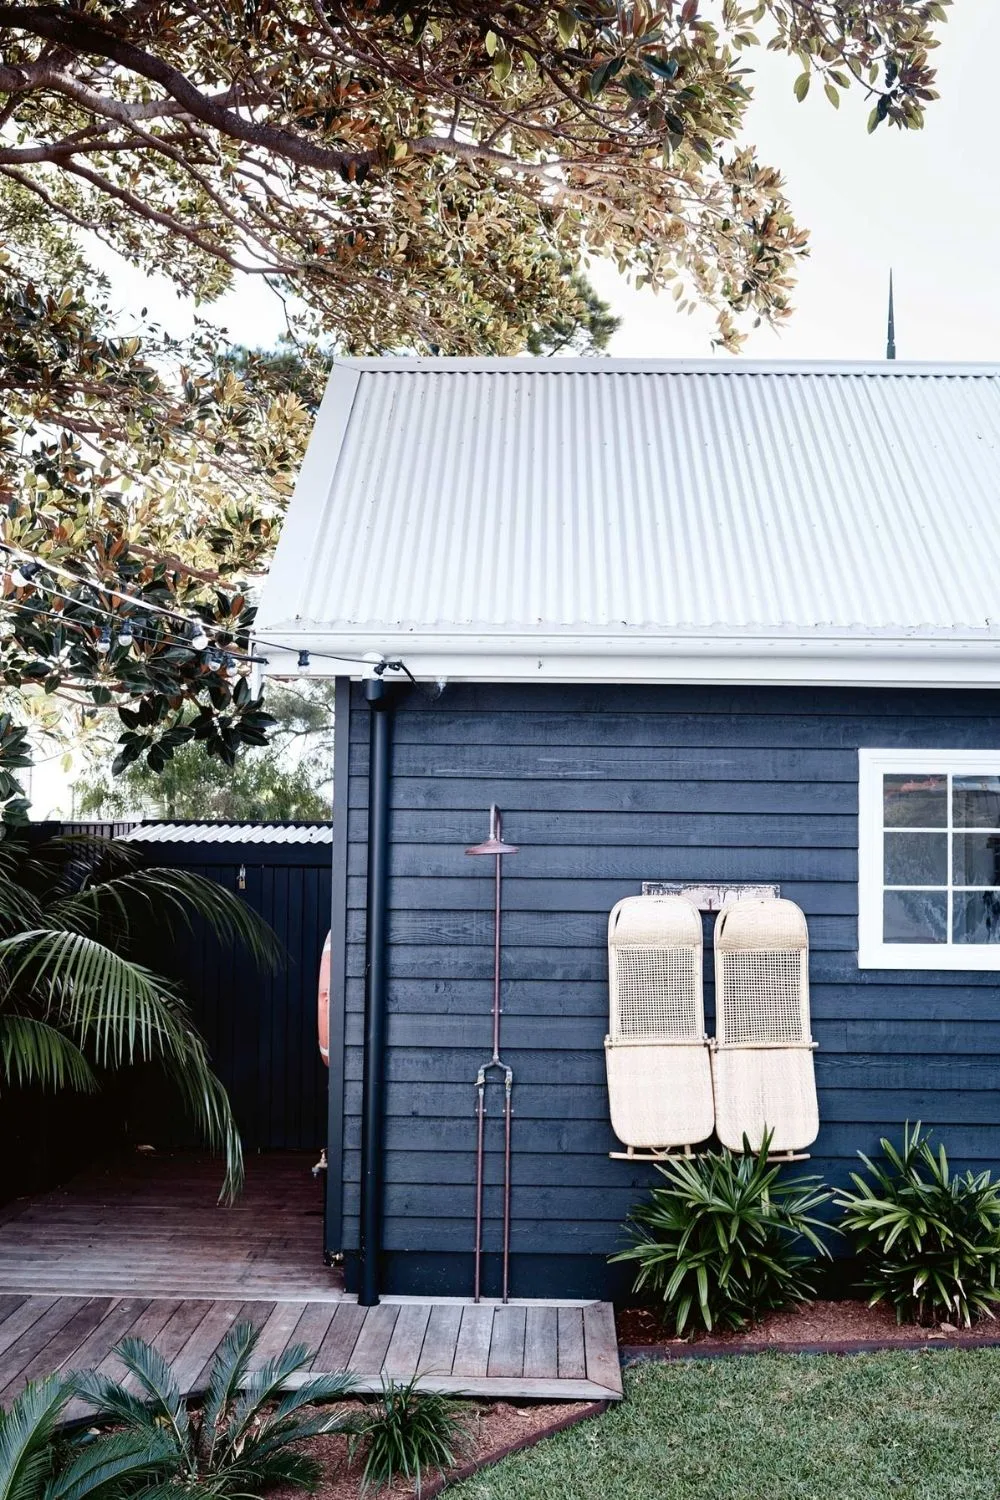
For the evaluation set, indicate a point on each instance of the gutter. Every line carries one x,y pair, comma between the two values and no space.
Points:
379,699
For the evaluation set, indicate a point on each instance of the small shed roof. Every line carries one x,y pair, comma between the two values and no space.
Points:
600,519
229,833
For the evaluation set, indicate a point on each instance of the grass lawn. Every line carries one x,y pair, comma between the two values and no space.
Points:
777,1427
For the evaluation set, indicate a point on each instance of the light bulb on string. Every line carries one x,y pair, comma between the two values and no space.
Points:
125,635
103,643
303,662
199,639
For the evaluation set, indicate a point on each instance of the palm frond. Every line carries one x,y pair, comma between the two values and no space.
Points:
317,1391
123,1012
262,1386
114,1401
228,1374
102,1466
154,1377
33,1052
18,908
26,1430
174,898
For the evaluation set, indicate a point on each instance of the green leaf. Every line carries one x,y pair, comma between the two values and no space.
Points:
802,86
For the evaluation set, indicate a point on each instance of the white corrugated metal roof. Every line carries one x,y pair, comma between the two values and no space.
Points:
595,519
230,833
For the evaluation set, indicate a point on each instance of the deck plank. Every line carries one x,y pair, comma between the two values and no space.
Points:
572,1356
541,1343
18,1322
373,1340
338,1346
437,1357
403,1353
113,1326
472,1354
507,1346
313,1325
51,1340
191,1364
601,1345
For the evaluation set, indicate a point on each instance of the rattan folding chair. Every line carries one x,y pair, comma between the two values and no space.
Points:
659,1068
762,1059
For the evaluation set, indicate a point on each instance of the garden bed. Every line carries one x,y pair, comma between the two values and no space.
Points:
497,1429
841,1326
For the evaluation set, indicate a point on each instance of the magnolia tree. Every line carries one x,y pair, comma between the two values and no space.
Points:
422,177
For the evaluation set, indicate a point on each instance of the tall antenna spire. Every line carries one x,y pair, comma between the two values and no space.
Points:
890,342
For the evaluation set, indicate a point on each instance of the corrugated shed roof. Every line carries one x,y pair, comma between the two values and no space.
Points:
580,519
230,833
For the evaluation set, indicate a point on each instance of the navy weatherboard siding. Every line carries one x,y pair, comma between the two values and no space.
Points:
604,787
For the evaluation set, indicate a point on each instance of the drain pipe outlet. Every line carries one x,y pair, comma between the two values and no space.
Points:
372,1103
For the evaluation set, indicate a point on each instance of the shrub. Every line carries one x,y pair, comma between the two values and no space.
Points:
722,1238
929,1241
245,1438
409,1432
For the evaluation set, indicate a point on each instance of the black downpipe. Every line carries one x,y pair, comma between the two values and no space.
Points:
372,1111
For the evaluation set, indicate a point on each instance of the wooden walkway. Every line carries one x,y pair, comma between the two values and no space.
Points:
142,1248
528,1350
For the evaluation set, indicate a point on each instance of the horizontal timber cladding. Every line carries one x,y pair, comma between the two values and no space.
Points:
260,1026
603,788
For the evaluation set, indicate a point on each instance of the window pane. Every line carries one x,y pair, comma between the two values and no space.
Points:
917,859
976,917
976,801
915,917
915,801
977,859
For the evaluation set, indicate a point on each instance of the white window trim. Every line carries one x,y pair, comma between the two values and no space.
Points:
873,953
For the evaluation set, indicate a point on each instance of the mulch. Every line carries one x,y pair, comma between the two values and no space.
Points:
826,1326
496,1429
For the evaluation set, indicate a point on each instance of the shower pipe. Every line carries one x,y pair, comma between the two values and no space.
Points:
495,846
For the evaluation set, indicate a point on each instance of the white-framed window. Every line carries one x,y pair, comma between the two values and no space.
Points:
929,859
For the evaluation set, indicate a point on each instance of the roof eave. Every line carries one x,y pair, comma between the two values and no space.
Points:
753,658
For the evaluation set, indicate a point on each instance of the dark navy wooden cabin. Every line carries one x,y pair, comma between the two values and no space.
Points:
603,788
717,623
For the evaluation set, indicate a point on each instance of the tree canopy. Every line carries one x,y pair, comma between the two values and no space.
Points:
427,177
424,173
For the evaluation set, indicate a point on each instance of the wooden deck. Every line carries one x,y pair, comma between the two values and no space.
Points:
151,1226
142,1248
528,1350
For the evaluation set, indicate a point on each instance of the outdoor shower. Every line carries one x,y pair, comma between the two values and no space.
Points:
495,846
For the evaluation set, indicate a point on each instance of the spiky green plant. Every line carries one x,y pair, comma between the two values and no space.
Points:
74,999
407,1432
35,1465
246,1437
929,1240
722,1238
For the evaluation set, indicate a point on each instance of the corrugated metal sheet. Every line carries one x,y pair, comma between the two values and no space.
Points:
599,507
230,833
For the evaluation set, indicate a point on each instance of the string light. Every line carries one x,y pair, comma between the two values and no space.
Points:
103,642
21,577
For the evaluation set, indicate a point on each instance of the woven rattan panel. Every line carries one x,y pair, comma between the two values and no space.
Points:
761,997
657,994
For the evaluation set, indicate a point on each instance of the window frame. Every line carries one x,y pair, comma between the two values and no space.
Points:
873,951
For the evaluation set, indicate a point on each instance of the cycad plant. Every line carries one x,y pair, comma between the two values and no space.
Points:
75,1001
726,1238
147,1445
36,1465
929,1239
245,1438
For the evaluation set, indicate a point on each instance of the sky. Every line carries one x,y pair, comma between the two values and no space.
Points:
923,202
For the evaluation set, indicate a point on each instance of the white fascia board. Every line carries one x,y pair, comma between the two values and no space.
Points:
761,661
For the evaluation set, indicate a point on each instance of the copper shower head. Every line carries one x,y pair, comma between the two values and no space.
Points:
494,844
